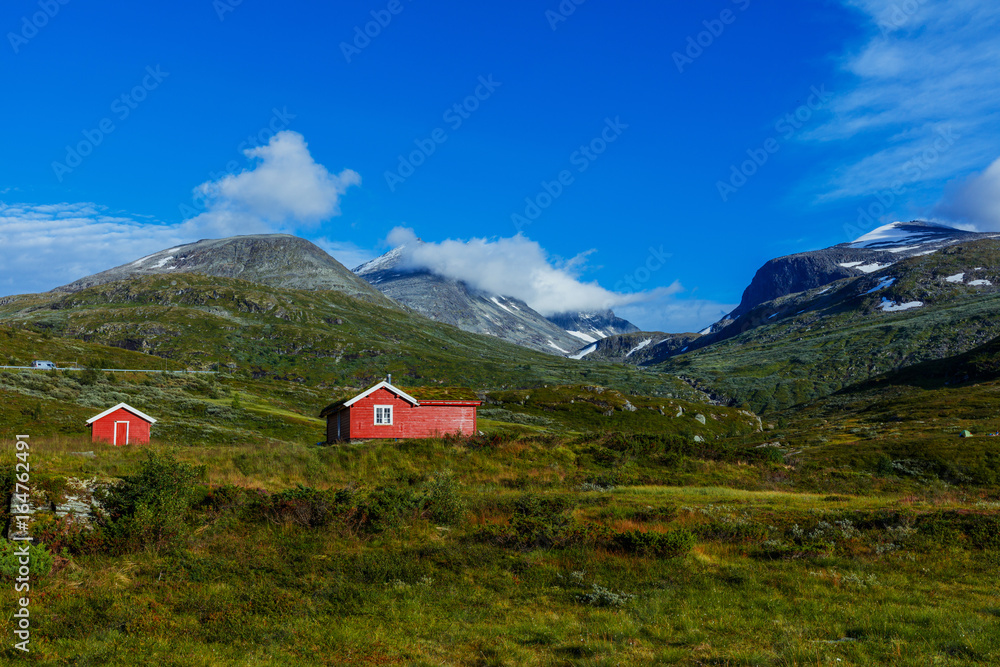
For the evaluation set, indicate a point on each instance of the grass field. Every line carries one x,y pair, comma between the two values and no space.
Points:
531,567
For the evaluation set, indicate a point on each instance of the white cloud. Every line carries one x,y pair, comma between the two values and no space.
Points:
976,200
929,66
286,189
517,267
47,245
50,245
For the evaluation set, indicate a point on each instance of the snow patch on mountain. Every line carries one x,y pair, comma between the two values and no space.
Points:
386,261
582,336
554,346
981,283
891,306
497,302
873,267
638,347
584,352
957,278
901,234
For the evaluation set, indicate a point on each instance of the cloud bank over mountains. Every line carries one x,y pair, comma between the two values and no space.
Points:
975,201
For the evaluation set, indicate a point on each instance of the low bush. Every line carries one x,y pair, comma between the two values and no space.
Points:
39,559
672,544
66,532
442,503
536,522
150,507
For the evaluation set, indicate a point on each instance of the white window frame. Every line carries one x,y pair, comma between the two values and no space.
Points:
128,427
383,407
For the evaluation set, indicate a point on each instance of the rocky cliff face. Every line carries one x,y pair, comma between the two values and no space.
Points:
872,252
277,260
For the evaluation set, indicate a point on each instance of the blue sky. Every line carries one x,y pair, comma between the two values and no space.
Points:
661,150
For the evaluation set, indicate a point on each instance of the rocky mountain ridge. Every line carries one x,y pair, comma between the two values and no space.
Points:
276,260
878,249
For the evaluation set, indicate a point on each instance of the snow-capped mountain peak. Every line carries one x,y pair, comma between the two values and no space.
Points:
903,236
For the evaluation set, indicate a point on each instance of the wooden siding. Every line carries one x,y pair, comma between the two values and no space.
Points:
344,417
429,419
103,430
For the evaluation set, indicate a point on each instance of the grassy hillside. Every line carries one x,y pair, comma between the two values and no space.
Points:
905,427
321,339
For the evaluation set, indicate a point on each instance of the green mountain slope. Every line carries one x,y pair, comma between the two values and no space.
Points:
317,338
907,424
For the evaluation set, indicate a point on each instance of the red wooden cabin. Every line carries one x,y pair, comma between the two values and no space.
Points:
121,425
385,411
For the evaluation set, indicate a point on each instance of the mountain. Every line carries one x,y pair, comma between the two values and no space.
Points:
638,348
591,327
809,344
455,302
880,248
277,260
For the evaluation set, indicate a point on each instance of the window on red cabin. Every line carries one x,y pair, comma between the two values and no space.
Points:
383,415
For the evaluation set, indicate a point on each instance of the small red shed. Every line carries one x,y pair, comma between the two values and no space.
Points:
121,425
385,411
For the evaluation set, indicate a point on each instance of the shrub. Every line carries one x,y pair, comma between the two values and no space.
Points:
378,511
672,544
302,505
442,504
772,454
536,523
65,532
148,508
39,559
604,597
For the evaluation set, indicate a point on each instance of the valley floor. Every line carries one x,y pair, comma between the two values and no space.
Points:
514,549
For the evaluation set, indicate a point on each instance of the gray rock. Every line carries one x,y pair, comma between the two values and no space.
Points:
700,418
